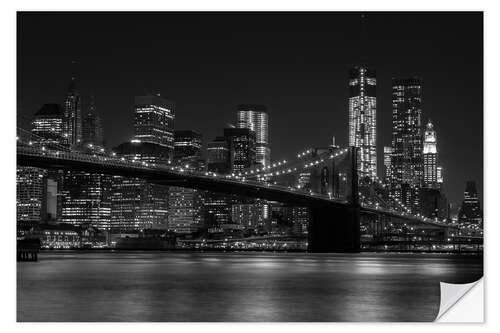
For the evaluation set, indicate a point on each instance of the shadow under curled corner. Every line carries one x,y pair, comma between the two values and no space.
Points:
453,294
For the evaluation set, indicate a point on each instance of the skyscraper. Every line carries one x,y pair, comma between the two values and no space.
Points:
86,199
29,196
470,213
72,126
430,157
92,127
242,143
48,123
135,203
219,157
387,163
407,159
154,121
363,118
185,204
255,117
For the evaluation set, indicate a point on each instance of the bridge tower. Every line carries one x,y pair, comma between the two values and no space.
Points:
337,229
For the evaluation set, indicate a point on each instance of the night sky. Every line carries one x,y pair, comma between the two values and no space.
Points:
295,63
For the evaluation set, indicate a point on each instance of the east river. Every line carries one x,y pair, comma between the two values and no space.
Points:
171,286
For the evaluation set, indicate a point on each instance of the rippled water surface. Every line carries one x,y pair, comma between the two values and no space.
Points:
152,286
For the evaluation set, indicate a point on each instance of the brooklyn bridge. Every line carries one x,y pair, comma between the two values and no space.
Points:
339,206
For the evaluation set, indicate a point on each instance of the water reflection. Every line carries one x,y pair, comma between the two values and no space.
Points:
237,286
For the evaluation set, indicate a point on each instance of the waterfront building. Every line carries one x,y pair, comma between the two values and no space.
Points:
154,121
407,159
30,189
363,118
186,204
135,203
85,199
255,118
250,215
72,125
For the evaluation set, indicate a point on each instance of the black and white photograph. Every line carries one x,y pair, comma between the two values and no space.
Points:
247,166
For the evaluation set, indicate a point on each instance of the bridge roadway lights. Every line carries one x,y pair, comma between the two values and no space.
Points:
334,229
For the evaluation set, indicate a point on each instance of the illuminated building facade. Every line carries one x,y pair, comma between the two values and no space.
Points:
72,125
363,118
86,199
92,134
250,216
407,157
470,213
219,157
135,203
430,157
440,175
186,204
154,121
138,205
185,210
30,183
48,123
242,143
217,207
387,163
255,118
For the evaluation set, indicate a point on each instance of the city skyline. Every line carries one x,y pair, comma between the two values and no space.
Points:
326,96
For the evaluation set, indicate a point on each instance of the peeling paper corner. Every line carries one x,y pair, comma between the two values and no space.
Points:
453,303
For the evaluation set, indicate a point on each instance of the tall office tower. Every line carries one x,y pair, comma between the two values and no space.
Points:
216,206
34,197
138,205
387,163
185,204
255,117
470,213
440,175
92,128
219,157
154,121
86,199
72,126
135,203
48,123
430,157
85,196
30,183
363,119
407,159
242,143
